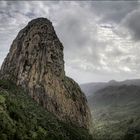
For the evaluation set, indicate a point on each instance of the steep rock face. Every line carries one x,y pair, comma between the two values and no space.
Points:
35,62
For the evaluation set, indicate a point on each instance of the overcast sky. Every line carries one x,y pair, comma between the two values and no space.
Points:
101,39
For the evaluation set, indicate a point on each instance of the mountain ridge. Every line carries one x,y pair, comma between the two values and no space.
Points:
91,88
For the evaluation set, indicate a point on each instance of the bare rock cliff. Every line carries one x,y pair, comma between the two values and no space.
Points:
35,62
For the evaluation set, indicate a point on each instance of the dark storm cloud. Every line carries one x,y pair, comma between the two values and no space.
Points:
113,12
132,24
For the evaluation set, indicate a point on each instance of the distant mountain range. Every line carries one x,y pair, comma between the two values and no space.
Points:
90,88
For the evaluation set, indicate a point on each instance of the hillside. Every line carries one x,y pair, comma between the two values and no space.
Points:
90,88
113,95
21,118
116,113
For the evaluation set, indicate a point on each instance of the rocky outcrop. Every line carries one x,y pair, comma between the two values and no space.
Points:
35,62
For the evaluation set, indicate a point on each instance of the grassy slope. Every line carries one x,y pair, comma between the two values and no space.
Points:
21,118
116,113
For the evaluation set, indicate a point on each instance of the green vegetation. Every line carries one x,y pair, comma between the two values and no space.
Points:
116,113
21,118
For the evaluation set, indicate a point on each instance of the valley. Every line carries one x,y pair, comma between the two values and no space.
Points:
115,109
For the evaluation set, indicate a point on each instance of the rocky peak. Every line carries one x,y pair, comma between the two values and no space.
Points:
35,62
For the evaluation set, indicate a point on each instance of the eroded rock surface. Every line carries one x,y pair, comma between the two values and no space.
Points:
35,62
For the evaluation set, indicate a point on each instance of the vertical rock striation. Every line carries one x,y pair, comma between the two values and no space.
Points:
35,62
